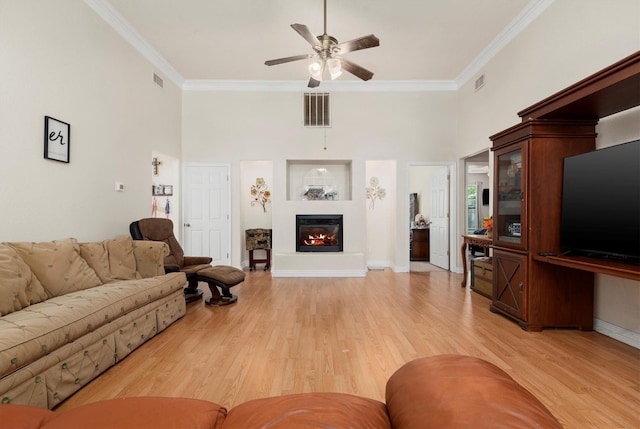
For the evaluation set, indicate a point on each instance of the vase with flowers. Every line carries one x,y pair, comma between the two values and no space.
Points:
487,223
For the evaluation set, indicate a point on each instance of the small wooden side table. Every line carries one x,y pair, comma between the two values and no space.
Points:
253,261
477,240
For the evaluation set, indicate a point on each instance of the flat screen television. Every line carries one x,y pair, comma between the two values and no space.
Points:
601,203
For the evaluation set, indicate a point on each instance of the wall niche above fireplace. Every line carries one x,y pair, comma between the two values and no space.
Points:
318,180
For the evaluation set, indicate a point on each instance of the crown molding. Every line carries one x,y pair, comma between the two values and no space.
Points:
333,86
122,27
533,9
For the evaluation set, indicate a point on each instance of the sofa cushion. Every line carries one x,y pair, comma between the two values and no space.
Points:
97,256
122,258
122,262
19,288
112,260
150,257
143,412
41,328
58,266
309,410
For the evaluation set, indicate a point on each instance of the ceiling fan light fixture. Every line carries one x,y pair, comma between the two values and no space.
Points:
328,60
335,67
316,69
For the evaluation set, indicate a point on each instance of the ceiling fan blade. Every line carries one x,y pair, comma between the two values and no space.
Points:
363,42
288,59
313,83
302,30
356,70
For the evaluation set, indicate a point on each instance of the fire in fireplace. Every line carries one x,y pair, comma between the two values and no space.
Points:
319,233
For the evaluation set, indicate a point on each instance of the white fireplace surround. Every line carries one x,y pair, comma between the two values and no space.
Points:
351,262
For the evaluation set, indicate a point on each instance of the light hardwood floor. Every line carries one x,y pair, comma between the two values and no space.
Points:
288,335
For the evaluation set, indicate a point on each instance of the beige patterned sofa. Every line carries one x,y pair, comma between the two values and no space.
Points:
69,311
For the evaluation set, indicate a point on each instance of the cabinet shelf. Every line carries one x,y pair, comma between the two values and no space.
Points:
594,265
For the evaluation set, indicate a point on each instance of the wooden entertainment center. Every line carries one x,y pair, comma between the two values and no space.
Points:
531,284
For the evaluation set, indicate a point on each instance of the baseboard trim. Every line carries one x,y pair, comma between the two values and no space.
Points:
378,265
617,333
316,273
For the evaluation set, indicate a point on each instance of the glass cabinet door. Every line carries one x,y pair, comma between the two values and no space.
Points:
508,227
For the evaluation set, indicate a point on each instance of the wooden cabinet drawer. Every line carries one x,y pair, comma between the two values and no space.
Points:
482,276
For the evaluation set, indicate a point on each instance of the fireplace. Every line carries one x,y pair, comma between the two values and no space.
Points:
319,233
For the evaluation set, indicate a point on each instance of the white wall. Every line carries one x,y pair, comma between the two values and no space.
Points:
381,214
60,59
168,173
232,127
254,215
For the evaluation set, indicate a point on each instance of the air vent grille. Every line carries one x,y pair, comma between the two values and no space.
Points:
316,109
158,80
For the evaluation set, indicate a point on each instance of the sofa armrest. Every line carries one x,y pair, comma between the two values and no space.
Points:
453,391
24,416
150,257
141,413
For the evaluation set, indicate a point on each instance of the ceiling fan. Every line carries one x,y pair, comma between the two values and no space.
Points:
328,54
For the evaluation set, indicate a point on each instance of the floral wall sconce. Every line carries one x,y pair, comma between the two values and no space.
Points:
261,195
374,192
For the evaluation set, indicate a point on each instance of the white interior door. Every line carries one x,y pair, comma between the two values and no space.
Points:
206,212
439,233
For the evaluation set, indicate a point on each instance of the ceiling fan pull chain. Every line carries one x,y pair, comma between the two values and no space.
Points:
325,134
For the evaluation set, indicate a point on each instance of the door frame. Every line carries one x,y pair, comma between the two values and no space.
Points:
453,207
185,167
